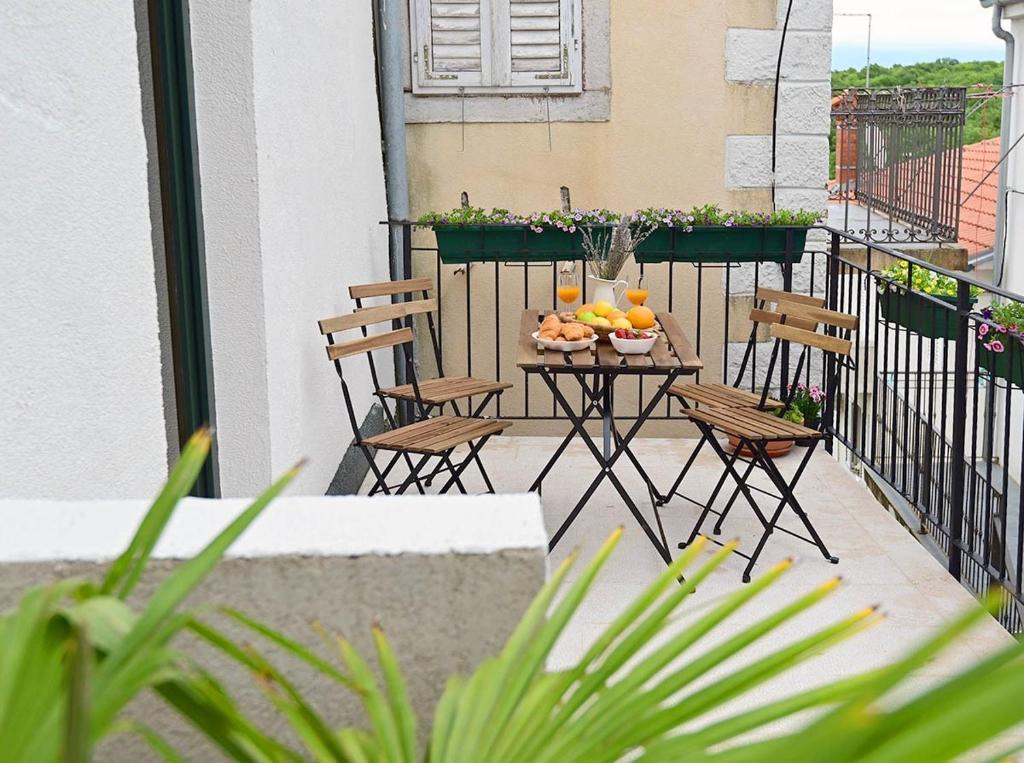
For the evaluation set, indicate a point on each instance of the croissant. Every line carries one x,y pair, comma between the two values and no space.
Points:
551,336
587,330
550,323
573,332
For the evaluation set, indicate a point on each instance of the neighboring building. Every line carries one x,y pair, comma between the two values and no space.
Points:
978,198
287,151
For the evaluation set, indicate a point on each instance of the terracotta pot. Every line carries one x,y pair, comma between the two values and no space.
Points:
776,448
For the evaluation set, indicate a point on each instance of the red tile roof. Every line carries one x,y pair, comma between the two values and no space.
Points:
978,213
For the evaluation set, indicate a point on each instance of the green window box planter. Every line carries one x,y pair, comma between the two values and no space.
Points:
1008,364
459,244
919,314
719,244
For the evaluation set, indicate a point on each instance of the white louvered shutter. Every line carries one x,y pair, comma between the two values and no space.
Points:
495,46
542,42
450,46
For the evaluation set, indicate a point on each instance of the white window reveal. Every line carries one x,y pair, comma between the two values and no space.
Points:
496,46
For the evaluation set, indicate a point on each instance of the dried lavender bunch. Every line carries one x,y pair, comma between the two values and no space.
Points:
606,251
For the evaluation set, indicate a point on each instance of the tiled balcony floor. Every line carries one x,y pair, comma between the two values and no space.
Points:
880,561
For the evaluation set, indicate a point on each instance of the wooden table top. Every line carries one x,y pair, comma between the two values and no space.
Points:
672,352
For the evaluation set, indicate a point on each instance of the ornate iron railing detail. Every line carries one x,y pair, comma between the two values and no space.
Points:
899,163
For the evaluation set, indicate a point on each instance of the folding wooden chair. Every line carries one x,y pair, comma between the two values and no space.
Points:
422,440
440,391
437,393
755,428
713,395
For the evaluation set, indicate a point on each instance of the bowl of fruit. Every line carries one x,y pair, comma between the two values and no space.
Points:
633,341
603,317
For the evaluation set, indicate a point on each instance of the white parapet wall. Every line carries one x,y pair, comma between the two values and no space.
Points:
446,577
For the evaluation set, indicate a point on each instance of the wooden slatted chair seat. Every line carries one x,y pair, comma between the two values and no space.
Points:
721,396
446,388
752,424
436,435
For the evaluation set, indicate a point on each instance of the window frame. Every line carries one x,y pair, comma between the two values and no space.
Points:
496,55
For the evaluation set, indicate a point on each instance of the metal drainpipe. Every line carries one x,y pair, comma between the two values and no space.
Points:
1004,131
396,173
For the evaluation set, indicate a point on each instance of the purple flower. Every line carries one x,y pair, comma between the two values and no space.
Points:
987,313
995,346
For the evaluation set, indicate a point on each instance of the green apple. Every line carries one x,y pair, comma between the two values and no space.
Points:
587,317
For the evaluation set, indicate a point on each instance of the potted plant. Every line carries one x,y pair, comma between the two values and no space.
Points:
1001,345
707,234
808,400
774,448
472,234
906,307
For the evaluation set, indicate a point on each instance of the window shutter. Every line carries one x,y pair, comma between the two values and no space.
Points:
496,46
544,43
450,49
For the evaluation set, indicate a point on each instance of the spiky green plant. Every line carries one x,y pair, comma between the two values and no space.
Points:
74,654
615,704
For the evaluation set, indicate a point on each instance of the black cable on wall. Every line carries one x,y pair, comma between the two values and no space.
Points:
775,103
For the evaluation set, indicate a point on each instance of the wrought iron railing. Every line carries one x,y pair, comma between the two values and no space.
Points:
924,407
898,157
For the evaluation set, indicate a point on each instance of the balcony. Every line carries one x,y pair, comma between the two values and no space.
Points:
881,562
925,412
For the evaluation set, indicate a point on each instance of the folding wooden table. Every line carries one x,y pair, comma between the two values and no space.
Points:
596,369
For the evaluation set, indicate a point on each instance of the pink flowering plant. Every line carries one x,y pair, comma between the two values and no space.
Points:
538,222
1006,324
808,400
713,215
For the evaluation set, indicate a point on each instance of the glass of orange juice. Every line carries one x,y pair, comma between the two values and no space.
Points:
638,295
568,287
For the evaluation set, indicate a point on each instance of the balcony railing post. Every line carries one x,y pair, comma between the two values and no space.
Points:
958,467
831,377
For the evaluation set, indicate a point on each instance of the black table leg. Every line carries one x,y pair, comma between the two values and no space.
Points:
607,457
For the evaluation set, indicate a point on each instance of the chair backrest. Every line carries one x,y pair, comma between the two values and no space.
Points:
413,291
834,344
390,288
785,302
831,345
761,313
810,313
367,344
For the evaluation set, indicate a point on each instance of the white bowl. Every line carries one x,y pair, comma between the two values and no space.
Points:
633,346
562,345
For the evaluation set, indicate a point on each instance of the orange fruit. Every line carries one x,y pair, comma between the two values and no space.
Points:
615,315
641,317
588,308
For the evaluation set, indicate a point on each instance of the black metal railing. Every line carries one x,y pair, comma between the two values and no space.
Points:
923,406
898,163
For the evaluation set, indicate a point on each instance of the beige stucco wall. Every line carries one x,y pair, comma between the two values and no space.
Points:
665,144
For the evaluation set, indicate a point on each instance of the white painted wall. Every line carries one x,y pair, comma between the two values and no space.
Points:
80,377
321,202
293,190
1013,268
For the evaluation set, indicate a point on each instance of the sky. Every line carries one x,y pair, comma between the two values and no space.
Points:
912,31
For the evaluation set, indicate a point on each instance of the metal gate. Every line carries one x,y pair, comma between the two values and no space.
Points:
898,163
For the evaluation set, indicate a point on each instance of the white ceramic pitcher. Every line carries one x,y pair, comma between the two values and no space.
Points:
603,290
